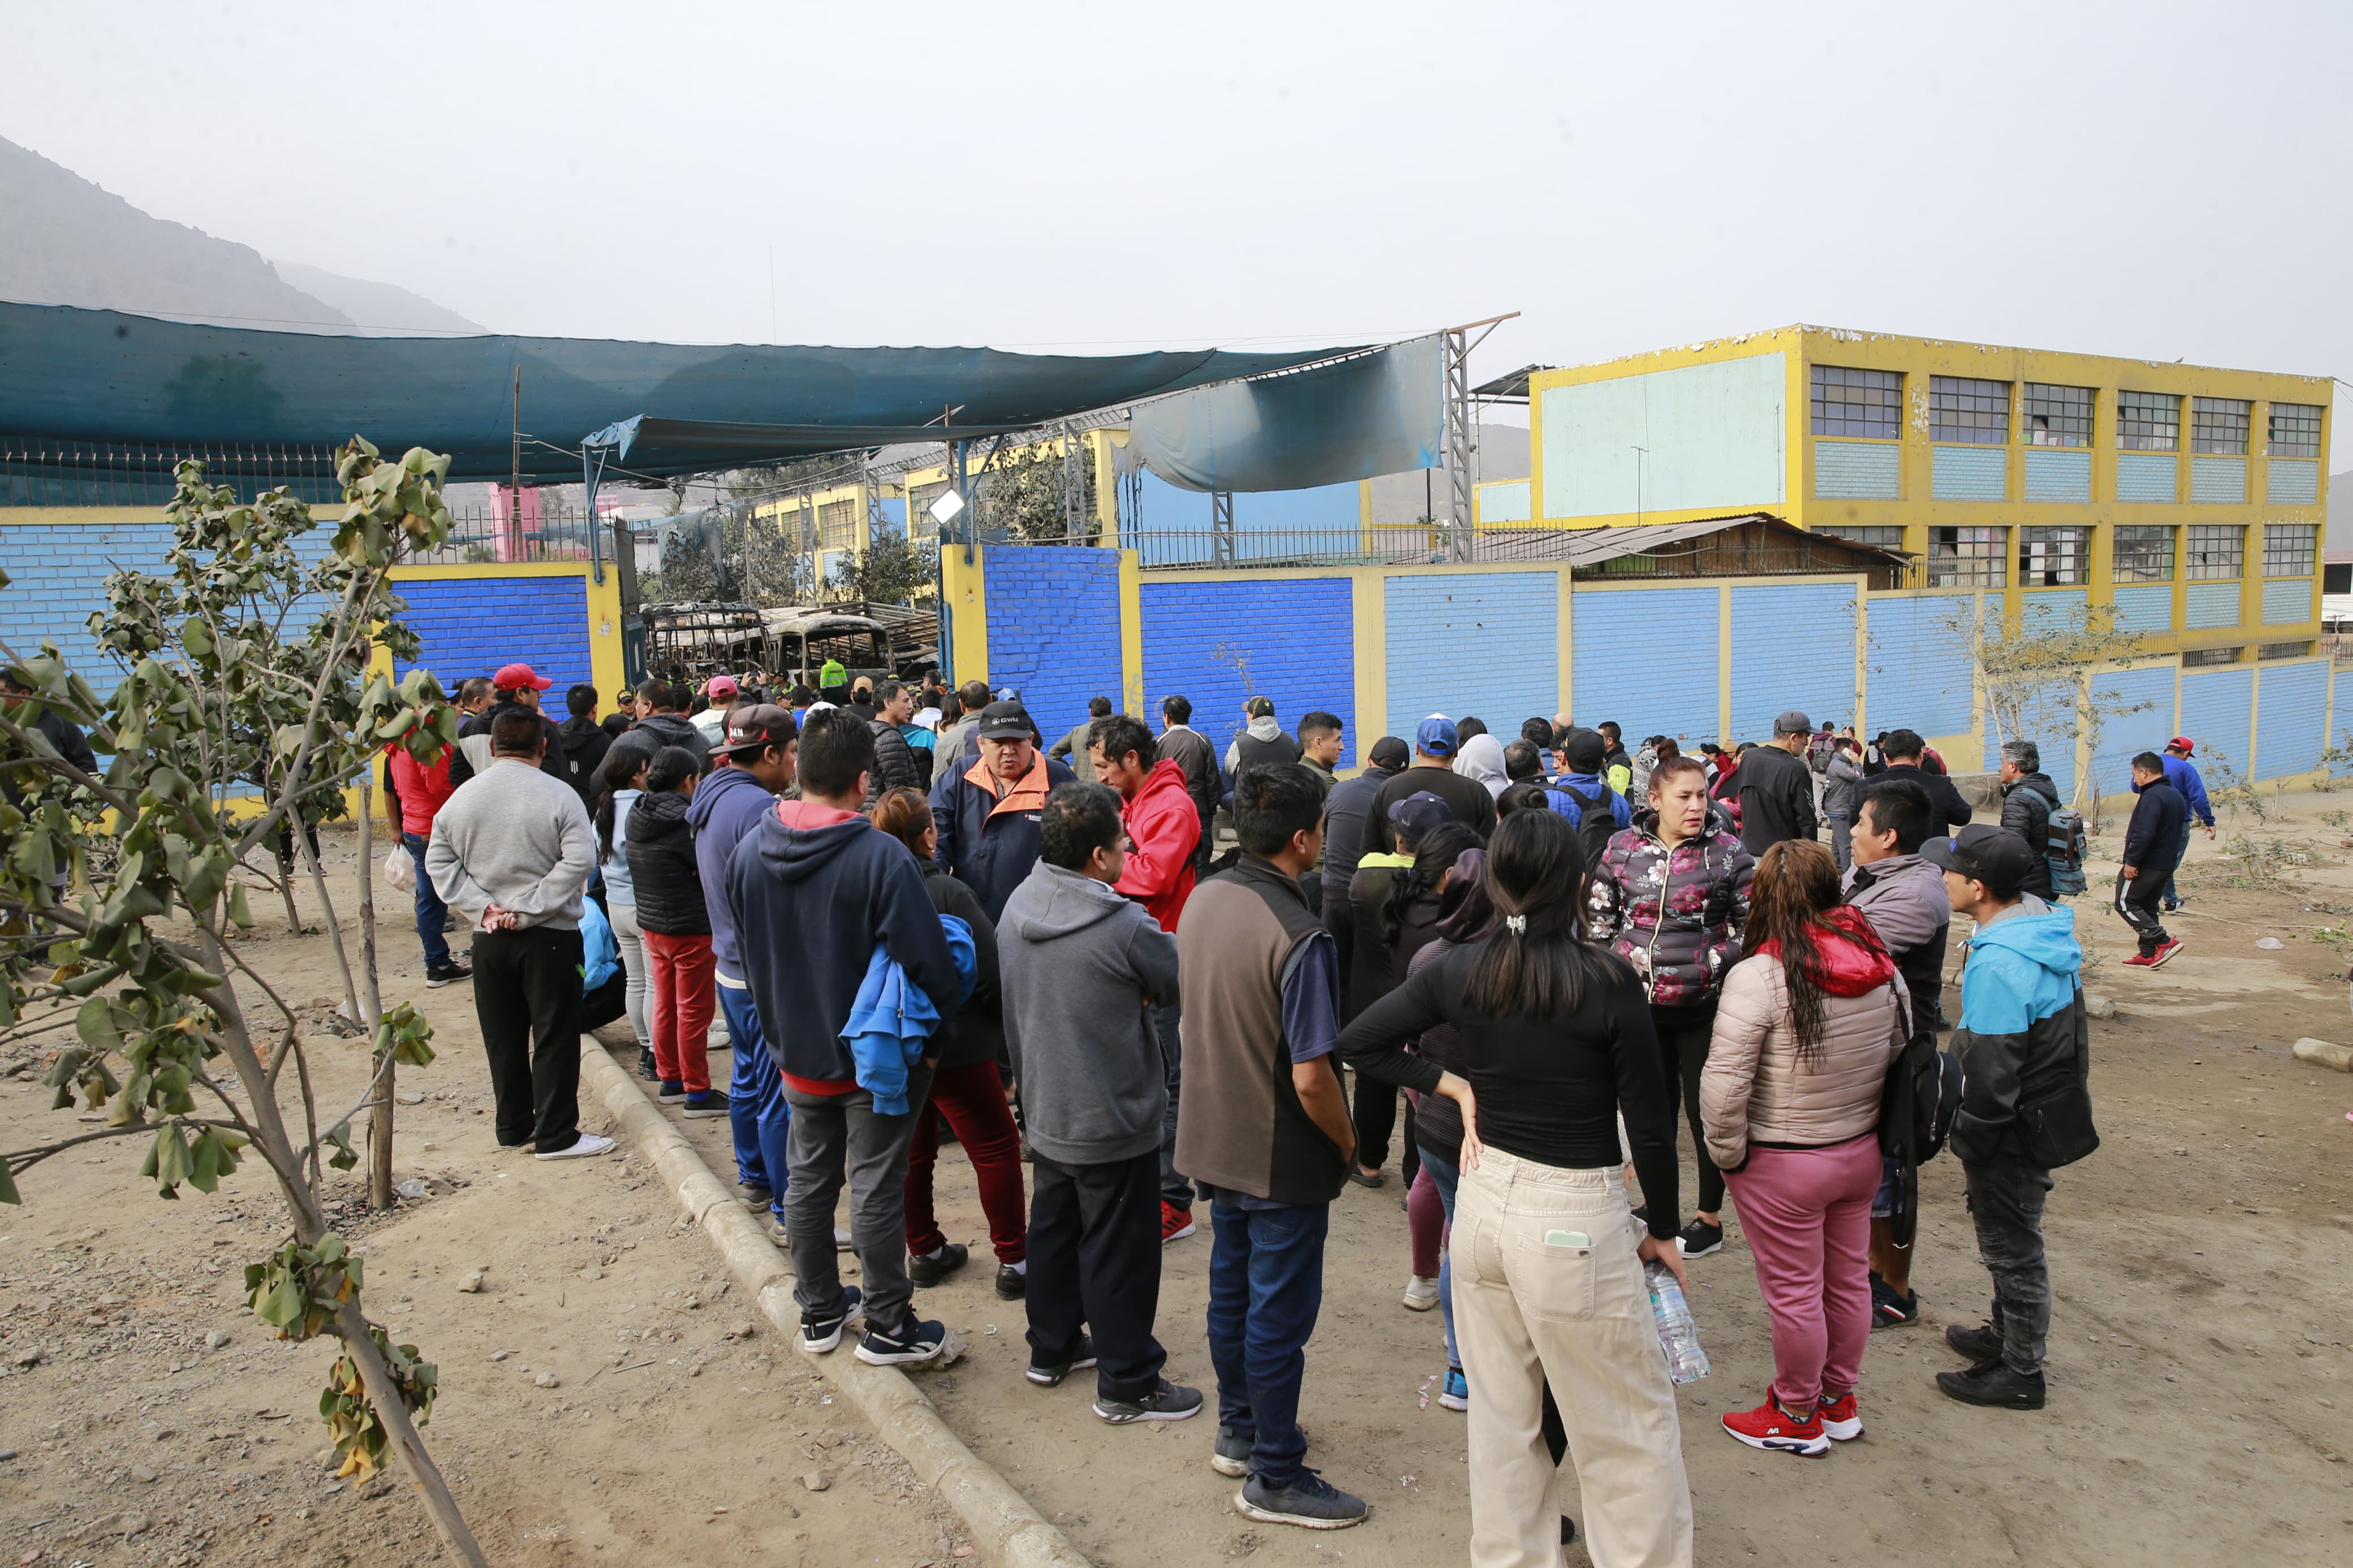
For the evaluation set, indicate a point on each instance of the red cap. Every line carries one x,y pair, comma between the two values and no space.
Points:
512,676
720,686
2183,744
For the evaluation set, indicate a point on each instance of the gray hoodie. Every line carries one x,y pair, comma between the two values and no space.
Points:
1079,965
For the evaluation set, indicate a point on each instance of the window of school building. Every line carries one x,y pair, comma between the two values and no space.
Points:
1868,404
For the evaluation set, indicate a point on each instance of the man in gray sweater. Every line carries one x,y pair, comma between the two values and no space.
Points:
1080,967
512,848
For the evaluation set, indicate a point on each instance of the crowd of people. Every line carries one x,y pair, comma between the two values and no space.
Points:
916,919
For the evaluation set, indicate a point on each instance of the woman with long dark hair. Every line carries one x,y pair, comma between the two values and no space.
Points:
1555,1046
1670,896
1790,1099
965,1085
677,926
624,773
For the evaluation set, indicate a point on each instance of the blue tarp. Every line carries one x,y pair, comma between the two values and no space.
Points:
103,375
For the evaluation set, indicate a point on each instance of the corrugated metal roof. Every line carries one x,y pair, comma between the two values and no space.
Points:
1590,546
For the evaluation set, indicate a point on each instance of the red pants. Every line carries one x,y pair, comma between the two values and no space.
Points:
973,1099
680,999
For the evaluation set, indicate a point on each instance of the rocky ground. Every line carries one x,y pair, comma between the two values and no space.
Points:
607,1397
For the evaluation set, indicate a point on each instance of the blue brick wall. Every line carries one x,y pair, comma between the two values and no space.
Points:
2144,607
2291,712
2340,726
1918,665
1647,657
2127,728
472,626
1291,640
59,573
2218,713
1969,473
2146,476
1482,643
1793,647
2058,475
1857,471
1053,629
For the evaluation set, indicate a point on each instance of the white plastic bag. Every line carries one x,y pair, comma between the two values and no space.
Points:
400,869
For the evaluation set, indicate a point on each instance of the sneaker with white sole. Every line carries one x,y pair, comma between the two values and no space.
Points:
1167,1402
1231,1454
1454,1394
1776,1430
1050,1374
1309,1502
820,1331
710,1102
587,1147
912,1343
1841,1422
1421,1292
1700,1239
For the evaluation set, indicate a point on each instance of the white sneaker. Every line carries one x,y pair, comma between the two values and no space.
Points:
1420,1293
591,1144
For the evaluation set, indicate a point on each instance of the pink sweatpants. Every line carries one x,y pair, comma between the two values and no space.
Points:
1807,1215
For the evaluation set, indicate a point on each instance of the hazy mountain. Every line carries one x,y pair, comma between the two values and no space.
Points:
64,241
376,307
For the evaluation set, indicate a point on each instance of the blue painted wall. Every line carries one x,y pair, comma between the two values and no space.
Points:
1053,629
1858,470
2291,481
58,573
2291,713
1484,643
2212,605
2144,607
2221,480
472,626
2060,476
2125,733
1648,659
2218,713
1918,669
2051,610
1793,647
1969,473
1712,434
2286,601
2058,755
1294,639
2146,476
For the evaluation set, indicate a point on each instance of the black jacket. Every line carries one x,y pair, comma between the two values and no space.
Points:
894,761
1944,802
584,743
2153,839
2026,808
1343,826
1776,798
462,761
67,740
662,865
977,1032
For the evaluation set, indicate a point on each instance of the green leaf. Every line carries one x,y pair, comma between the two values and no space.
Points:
95,1024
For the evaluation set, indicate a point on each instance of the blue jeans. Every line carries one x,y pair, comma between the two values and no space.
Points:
2170,897
1443,1176
757,1111
1266,1287
431,912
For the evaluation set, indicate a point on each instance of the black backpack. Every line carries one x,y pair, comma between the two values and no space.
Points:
1597,820
1916,1107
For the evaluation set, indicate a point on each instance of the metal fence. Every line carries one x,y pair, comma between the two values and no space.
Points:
482,536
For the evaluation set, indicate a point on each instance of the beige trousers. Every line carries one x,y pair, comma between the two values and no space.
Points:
1547,1288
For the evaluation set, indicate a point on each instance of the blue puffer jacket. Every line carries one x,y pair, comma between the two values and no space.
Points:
989,842
892,1019
2022,1039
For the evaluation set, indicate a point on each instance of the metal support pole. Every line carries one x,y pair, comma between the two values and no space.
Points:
1458,445
1222,527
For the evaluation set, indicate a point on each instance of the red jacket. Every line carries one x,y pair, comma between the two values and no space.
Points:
422,788
1166,829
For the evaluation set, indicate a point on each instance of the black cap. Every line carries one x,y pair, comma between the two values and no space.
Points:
1006,722
762,725
1995,855
1389,752
1584,750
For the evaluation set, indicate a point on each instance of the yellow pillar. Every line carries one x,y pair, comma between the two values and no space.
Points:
1369,608
1131,632
964,599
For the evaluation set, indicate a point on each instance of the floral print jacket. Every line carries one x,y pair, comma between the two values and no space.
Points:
1676,916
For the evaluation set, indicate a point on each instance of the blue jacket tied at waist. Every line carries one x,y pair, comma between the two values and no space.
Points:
892,1018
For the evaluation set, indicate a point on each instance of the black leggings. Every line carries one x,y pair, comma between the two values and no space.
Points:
1683,1047
1375,1112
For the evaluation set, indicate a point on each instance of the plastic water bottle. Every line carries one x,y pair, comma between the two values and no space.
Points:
1678,1335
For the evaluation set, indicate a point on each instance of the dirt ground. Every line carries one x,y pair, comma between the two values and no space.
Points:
2200,1385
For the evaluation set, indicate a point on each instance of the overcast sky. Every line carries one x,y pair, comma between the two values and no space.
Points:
2157,180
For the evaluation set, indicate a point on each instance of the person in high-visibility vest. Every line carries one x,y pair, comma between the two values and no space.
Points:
831,676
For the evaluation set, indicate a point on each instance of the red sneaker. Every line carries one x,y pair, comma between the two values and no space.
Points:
2162,954
1771,1427
1841,1423
2139,960
1175,1224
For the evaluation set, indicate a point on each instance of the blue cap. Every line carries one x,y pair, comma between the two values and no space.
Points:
1436,736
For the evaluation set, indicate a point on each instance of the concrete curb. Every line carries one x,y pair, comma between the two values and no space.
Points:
1002,1522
